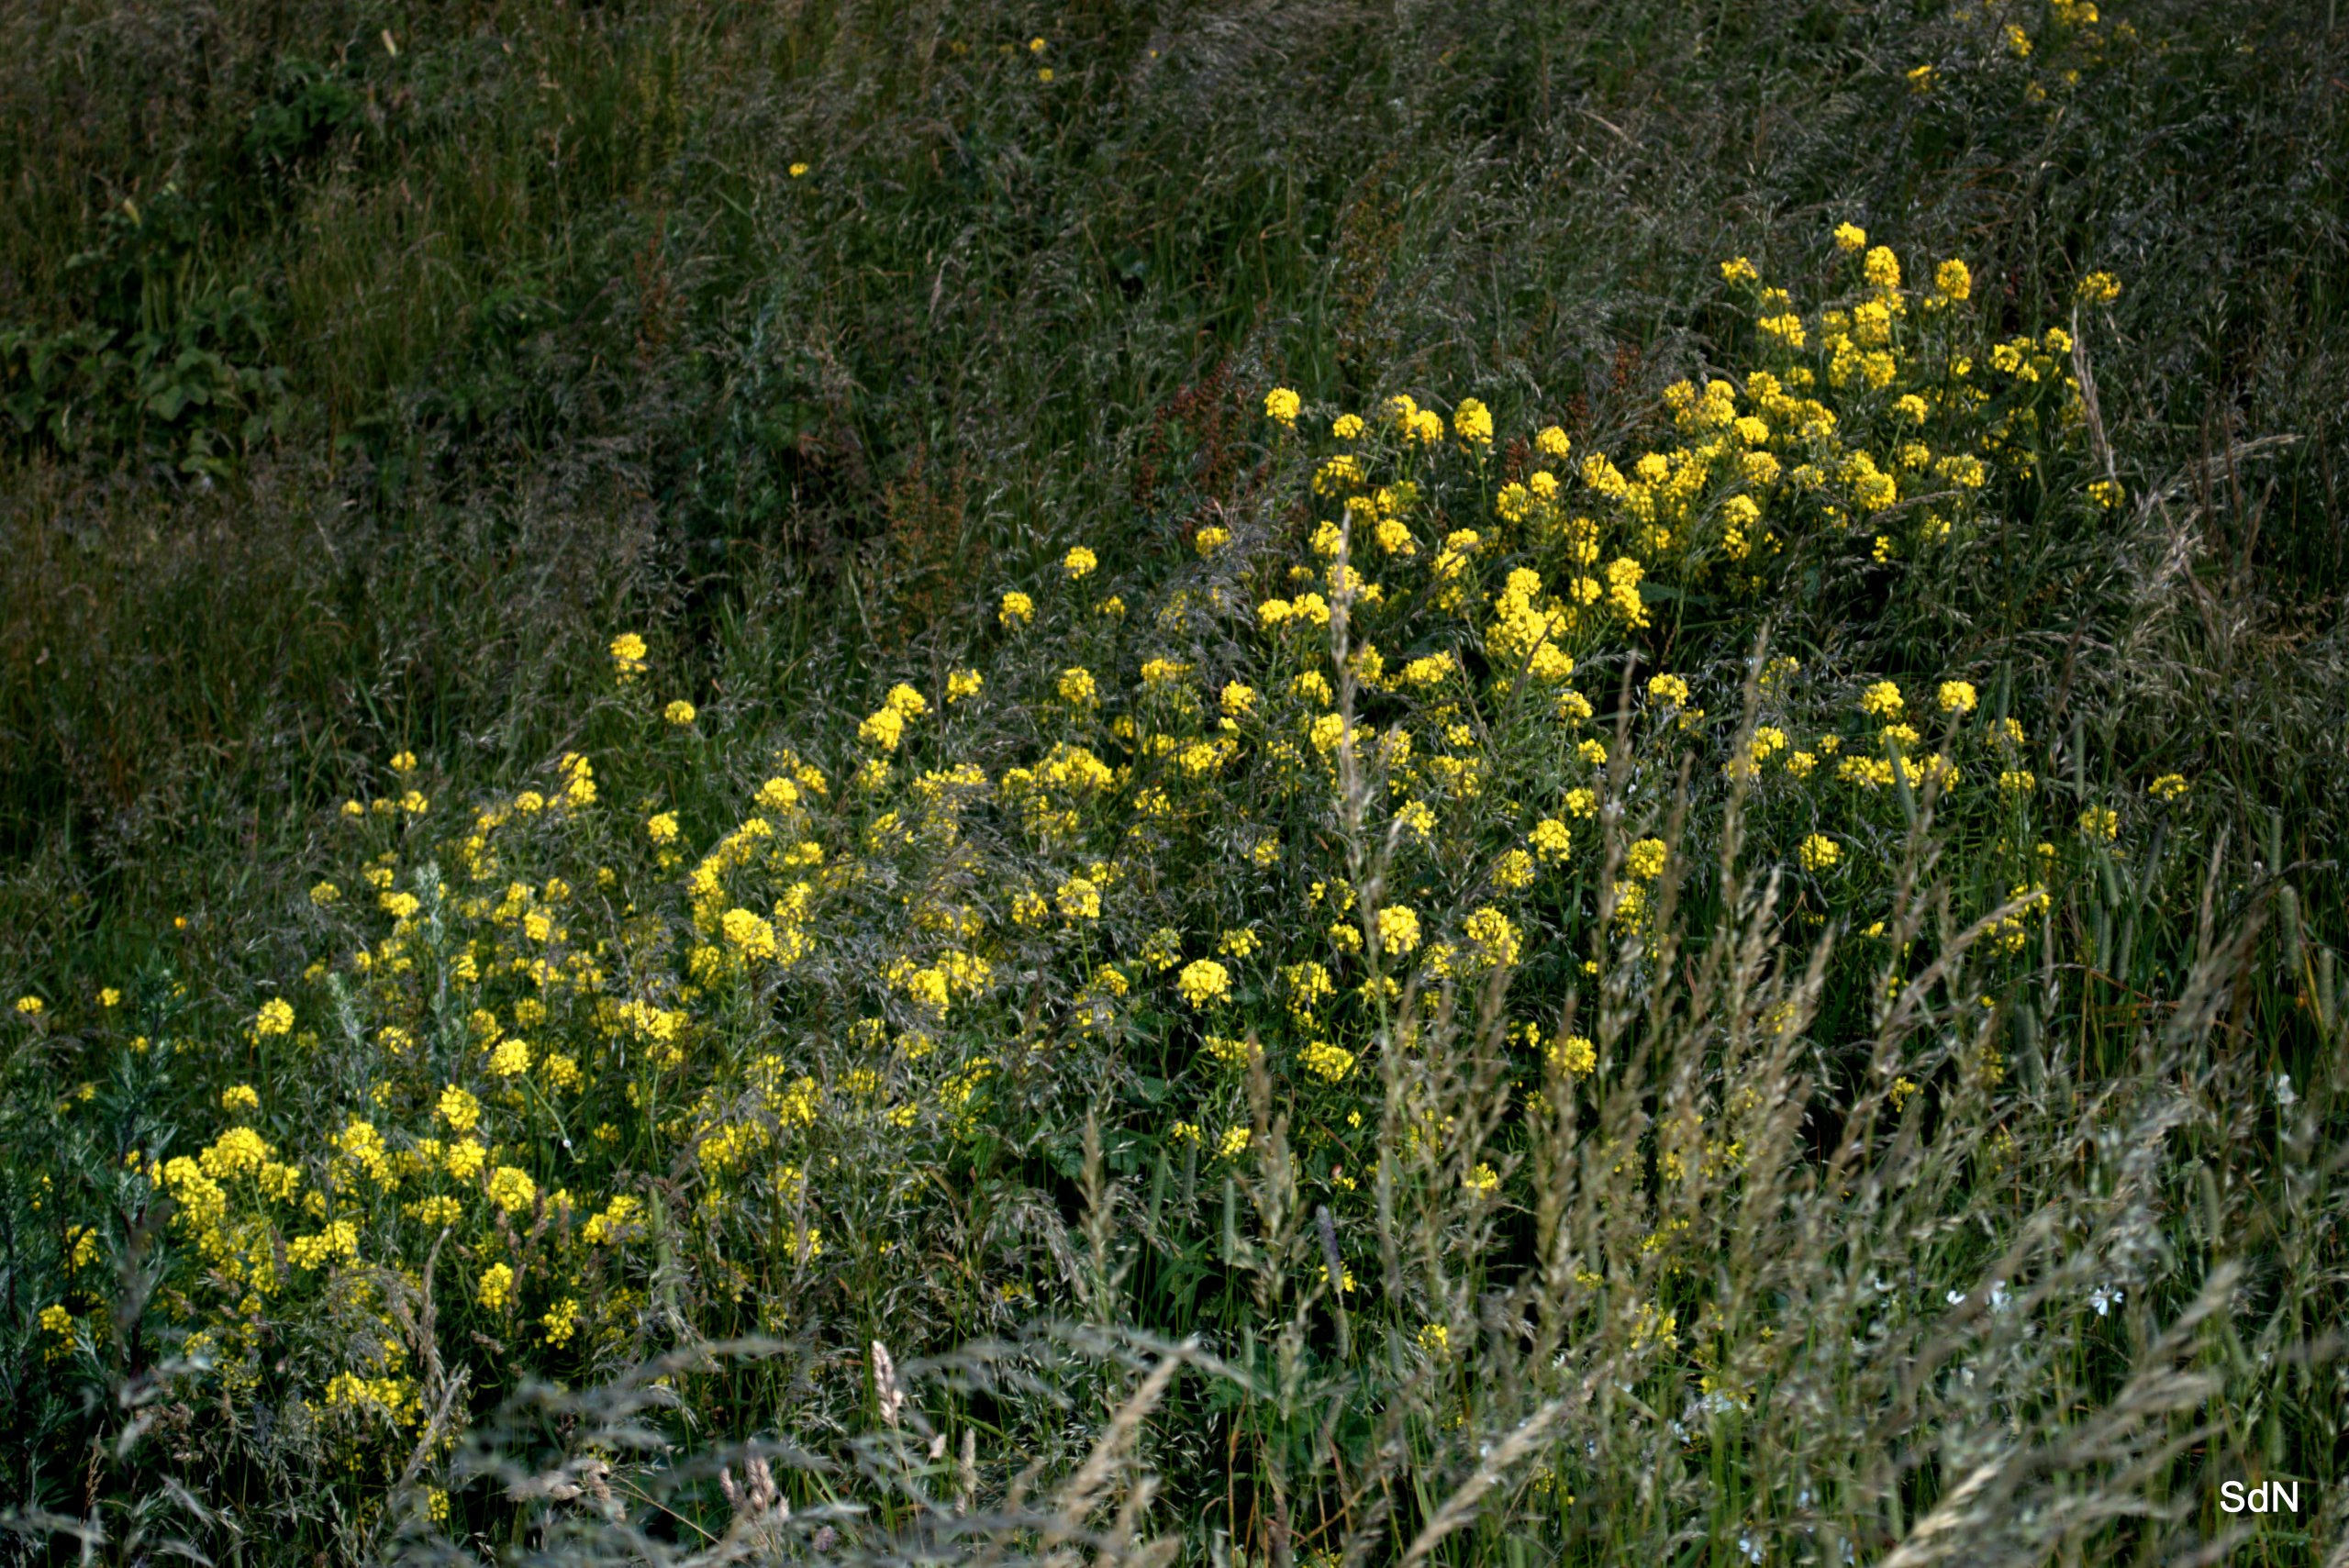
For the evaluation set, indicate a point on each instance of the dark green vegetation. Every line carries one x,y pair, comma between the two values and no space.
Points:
362,371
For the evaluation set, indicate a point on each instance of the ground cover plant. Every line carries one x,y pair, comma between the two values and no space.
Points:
1174,784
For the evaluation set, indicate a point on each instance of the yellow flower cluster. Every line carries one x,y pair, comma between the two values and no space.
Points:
544,993
1203,983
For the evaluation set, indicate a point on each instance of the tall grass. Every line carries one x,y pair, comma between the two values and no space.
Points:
519,329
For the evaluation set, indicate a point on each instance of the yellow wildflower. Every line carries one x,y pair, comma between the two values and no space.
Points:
1203,982
496,1287
1399,929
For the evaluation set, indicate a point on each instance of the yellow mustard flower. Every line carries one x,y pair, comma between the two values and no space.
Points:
1203,982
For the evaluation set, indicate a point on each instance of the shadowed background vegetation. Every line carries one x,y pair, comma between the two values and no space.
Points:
364,367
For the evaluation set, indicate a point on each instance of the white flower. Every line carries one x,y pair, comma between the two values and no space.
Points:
2285,1098
1953,1296
1751,1547
2104,1299
1999,1299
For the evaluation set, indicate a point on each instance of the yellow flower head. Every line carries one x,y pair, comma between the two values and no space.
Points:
628,656
1851,239
1882,700
1203,982
1016,609
1078,899
1575,1054
1282,405
680,713
1399,929
1079,563
459,1109
1644,860
496,1287
1953,280
512,1189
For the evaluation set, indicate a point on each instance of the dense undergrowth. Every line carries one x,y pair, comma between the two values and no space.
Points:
728,837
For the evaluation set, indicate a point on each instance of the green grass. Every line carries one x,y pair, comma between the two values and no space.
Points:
356,395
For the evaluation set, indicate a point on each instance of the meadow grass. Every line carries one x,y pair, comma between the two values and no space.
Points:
1732,1011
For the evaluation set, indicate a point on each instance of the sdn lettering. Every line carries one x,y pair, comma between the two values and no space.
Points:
2267,1498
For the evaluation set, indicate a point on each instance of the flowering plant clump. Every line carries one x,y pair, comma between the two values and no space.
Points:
626,1050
